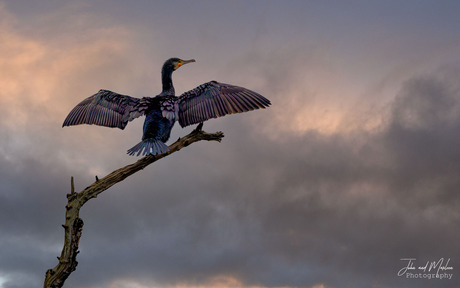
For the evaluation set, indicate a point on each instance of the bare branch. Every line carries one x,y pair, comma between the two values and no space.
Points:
72,185
73,226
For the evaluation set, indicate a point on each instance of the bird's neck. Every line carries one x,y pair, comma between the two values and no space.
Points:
166,79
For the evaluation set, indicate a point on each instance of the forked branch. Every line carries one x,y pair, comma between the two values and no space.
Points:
73,226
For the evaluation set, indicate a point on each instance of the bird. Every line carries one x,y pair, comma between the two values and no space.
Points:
209,100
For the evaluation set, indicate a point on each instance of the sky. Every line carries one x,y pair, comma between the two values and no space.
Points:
354,167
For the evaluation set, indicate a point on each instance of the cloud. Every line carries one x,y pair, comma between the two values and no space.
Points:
39,79
339,194
302,83
44,76
293,212
292,197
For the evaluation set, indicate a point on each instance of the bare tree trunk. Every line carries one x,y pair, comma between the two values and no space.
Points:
73,226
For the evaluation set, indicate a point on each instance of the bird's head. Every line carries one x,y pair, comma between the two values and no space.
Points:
174,63
166,73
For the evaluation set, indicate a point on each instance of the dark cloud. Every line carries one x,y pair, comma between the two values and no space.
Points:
272,205
336,209
307,209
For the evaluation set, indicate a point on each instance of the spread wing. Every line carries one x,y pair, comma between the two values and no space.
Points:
214,99
107,108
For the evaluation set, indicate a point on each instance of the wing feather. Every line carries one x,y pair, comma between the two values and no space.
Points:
214,99
107,108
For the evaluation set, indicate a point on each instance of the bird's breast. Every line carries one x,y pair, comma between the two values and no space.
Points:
156,126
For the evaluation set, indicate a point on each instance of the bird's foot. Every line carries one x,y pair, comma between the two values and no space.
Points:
199,127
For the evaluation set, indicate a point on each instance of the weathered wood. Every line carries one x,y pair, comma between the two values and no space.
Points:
73,226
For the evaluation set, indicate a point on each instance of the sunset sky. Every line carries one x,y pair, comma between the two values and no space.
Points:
355,166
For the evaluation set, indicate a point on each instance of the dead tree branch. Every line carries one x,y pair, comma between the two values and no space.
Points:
73,226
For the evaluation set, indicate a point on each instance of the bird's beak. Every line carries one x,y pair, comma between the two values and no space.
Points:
183,62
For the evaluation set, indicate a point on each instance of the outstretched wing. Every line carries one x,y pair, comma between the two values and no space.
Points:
107,108
214,99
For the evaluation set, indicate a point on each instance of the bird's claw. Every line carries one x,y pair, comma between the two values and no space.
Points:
199,127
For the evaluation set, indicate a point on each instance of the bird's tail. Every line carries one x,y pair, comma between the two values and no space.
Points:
148,146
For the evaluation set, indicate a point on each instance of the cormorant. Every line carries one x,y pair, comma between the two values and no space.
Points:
209,100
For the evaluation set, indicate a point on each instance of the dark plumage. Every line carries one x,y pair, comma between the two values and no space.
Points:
209,100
